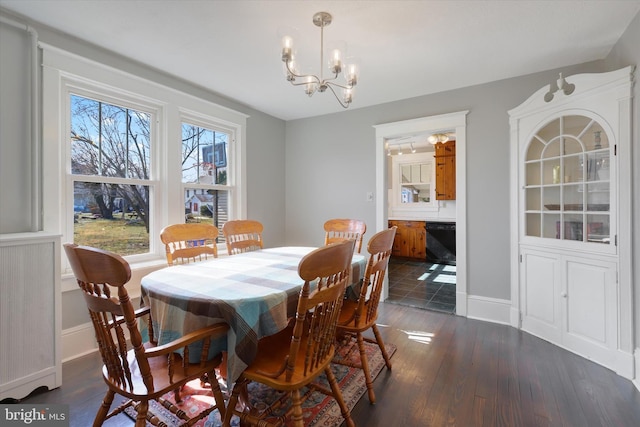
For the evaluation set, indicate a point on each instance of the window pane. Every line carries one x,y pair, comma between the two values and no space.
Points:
113,217
206,205
204,155
109,140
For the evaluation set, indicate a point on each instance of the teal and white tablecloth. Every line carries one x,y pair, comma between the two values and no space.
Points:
254,292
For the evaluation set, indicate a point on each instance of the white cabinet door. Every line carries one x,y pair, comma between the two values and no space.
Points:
540,291
571,301
591,309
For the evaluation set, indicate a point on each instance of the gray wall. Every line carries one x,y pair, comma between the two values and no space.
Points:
331,165
627,52
15,130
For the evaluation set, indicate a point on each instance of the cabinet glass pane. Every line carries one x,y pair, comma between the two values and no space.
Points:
597,165
549,225
598,196
572,170
535,150
552,149
573,196
595,138
533,173
533,225
550,131
533,199
551,171
598,229
575,125
572,146
551,197
572,227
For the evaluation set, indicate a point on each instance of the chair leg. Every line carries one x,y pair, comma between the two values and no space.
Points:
387,359
217,394
104,408
364,363
143,408
231,405
337,395
296,404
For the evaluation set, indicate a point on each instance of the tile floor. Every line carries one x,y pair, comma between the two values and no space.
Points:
423,285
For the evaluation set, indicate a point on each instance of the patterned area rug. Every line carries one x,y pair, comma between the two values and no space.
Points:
319,410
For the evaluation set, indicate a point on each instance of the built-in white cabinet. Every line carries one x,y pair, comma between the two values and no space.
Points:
571,211
30,329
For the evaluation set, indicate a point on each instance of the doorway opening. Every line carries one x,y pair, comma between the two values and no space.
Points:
418,279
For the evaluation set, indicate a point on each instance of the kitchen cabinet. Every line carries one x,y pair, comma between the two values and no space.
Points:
445,158
410,240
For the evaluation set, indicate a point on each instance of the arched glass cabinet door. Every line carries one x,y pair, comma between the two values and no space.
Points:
568,181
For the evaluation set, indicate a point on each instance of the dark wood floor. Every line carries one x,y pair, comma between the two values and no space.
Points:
448,370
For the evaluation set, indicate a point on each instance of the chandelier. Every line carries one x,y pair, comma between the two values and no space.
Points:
313,82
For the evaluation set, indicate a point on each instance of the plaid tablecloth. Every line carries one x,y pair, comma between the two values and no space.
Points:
254,292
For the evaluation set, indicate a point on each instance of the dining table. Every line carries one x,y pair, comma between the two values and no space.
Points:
255,293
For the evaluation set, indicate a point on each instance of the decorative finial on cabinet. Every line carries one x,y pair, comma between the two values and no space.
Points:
561,84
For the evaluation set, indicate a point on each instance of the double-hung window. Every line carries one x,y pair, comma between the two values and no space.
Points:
124,156
206,172
110,153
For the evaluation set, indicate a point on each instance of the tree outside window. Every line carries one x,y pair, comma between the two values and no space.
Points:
110,170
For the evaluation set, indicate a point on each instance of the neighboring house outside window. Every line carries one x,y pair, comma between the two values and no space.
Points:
204,173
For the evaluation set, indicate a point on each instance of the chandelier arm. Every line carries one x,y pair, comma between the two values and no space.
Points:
290,71
330,83
330,86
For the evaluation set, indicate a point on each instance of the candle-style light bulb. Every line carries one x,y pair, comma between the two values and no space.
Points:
310,87
336,63
287,48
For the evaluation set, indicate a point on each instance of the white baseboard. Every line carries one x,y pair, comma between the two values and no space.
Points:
636,379
490,309
78,341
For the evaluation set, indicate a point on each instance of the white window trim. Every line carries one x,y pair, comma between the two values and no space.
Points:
63,70
411,209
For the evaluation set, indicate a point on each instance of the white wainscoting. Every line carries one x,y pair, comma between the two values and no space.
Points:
30,309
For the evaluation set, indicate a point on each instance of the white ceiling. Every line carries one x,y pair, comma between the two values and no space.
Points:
405,48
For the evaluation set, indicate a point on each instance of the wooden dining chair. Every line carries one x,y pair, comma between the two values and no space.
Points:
296,356
337,230
358,316
184,243
243,235
141,372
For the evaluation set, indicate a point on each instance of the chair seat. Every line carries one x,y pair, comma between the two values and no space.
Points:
272,353
347,315
161,384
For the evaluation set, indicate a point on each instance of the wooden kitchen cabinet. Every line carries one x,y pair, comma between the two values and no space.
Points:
410,240
445,159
